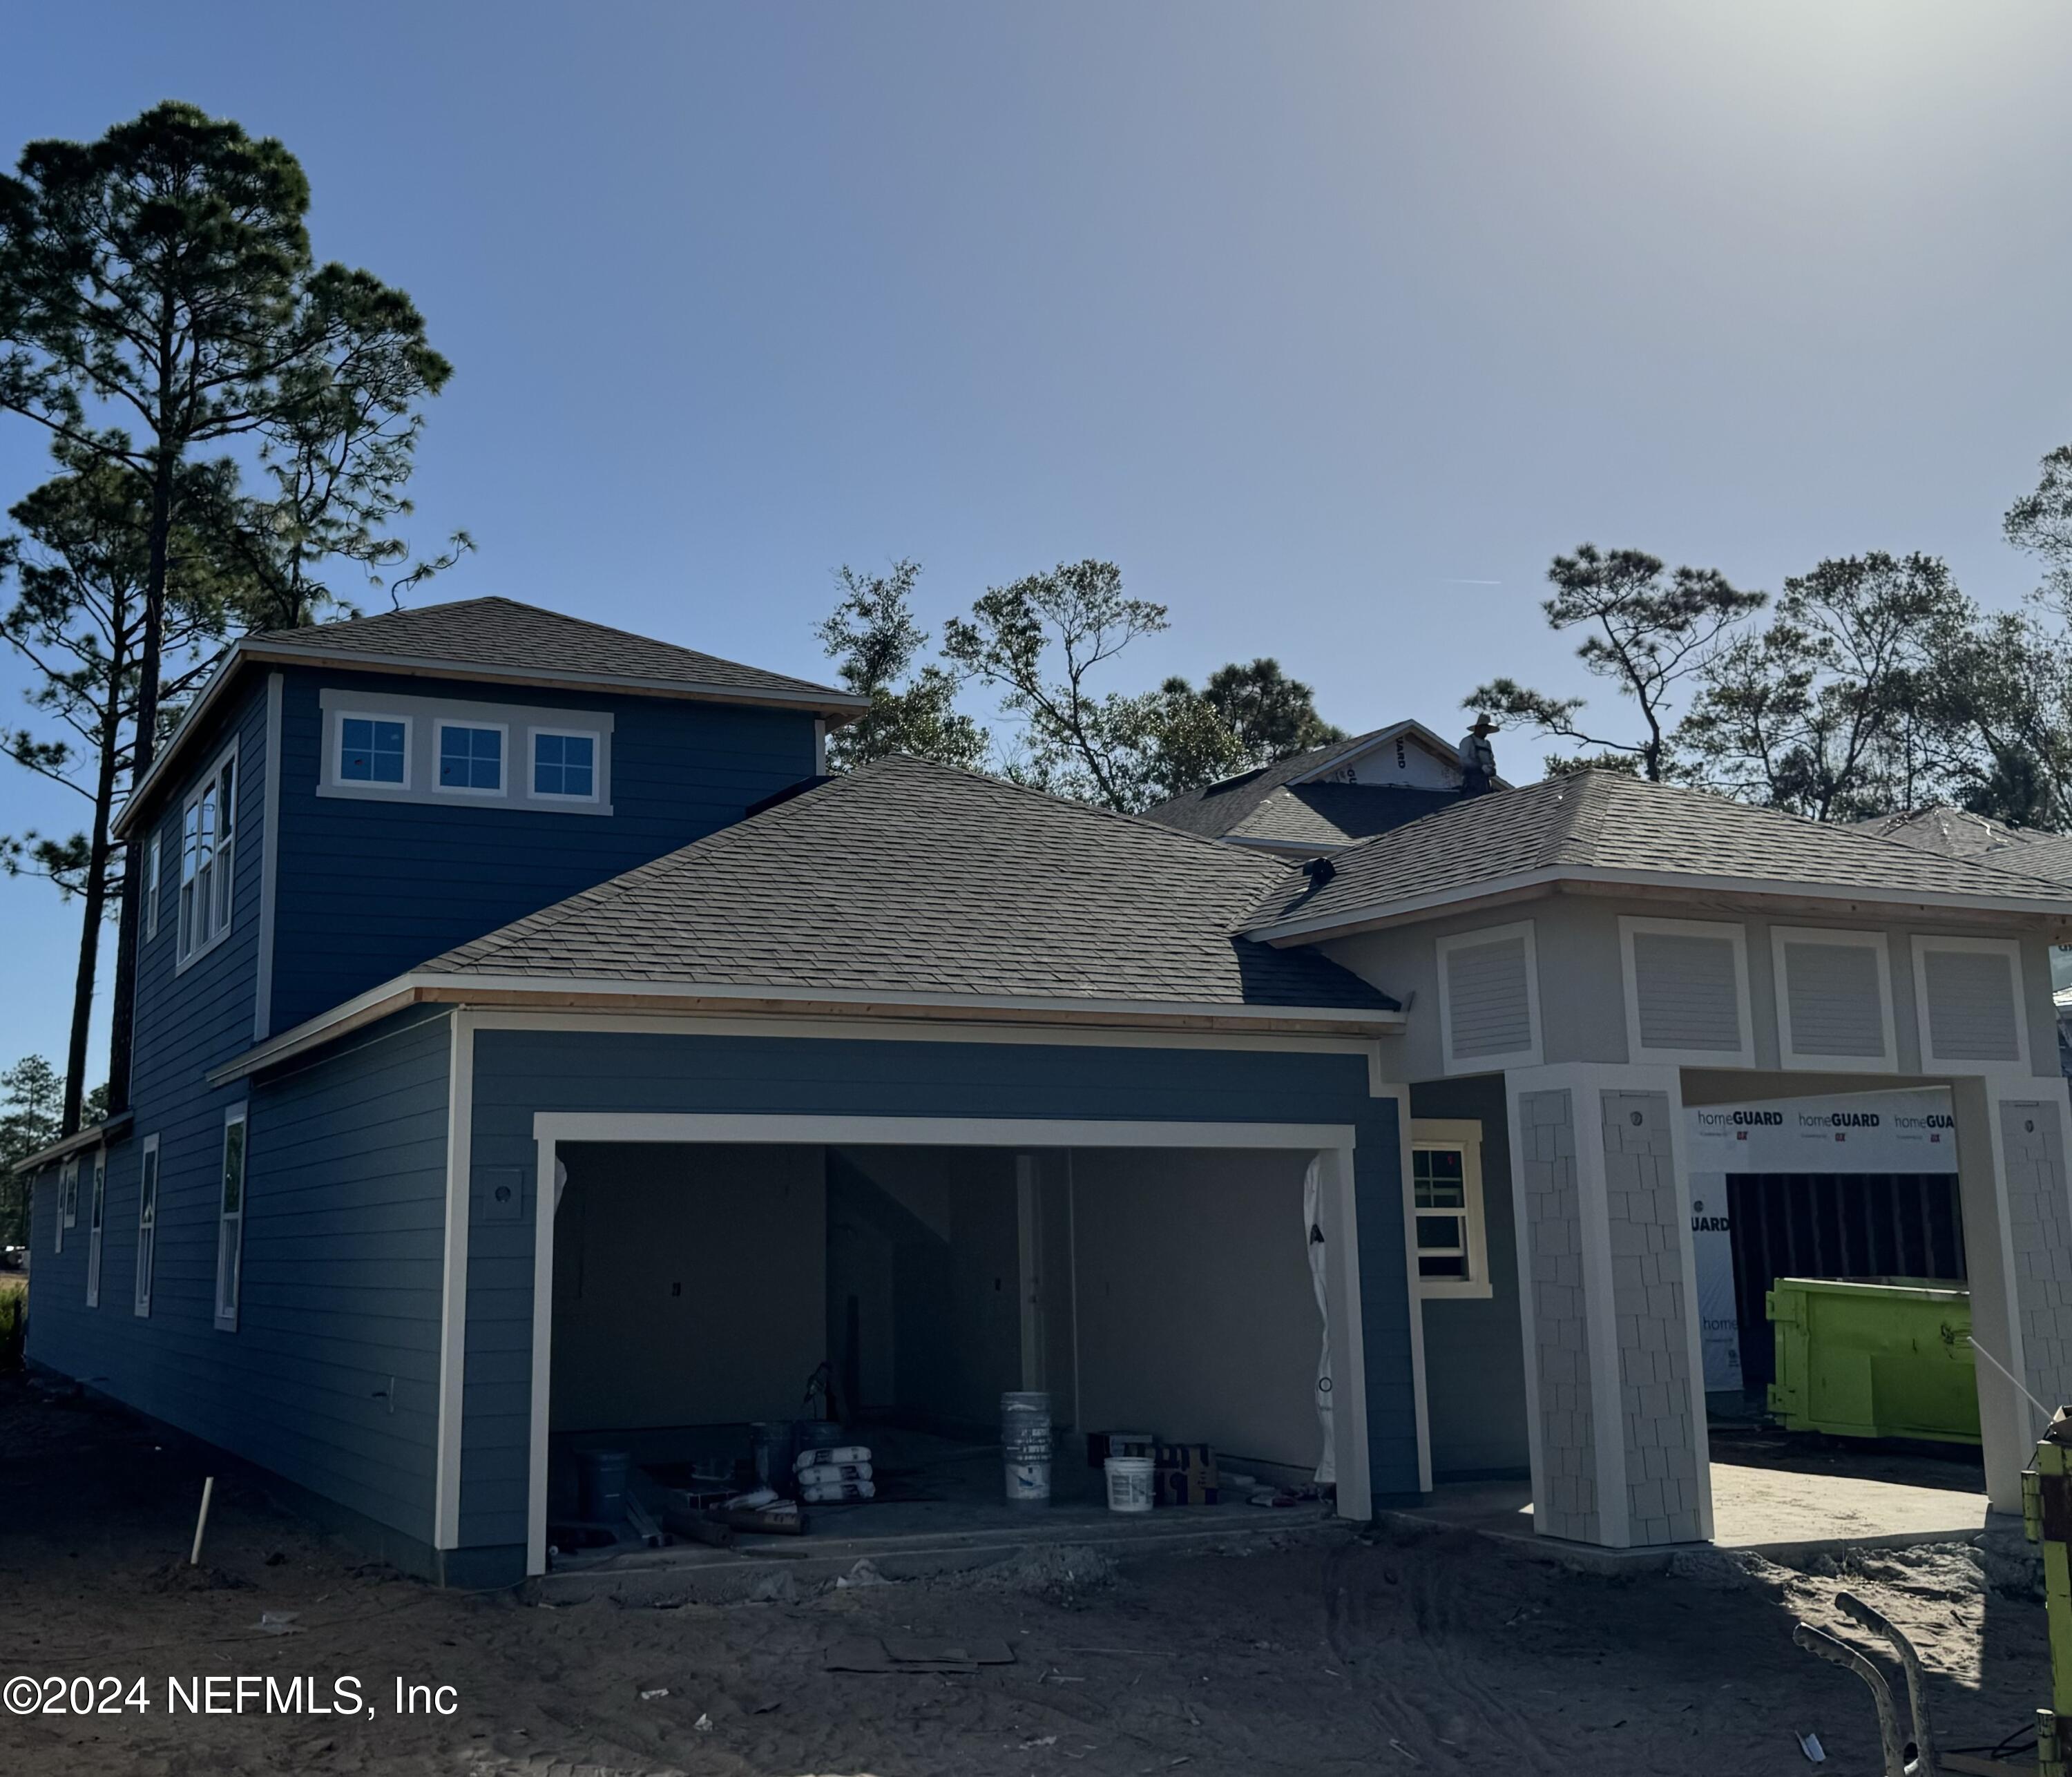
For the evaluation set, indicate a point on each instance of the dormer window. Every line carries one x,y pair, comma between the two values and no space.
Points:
565,764
471,759
373,750
449,752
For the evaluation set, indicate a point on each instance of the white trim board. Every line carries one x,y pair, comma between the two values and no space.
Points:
1897,905
919,1017
1334,1142
453,1297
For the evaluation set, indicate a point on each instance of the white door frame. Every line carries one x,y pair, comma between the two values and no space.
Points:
1332,1142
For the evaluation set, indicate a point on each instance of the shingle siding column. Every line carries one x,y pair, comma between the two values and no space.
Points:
1609,1309
2011,1153
1565,1491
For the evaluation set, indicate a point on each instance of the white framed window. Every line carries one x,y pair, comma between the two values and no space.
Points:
1686,992
147,1222
1967,994
565,764
1489,999
1834,1000
96,1226
67,1200
373,747
230,1220
469,757
208,858
1446,1208
153,848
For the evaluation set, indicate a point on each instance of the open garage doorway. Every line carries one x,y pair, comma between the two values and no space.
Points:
1851,1185
697,1289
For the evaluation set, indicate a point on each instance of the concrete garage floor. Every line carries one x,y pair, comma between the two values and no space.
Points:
1782,1494
942,1508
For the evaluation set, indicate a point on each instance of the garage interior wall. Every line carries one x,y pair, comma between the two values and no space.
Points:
1197,1318
923,1290
702,1285
1474,1349
689,1284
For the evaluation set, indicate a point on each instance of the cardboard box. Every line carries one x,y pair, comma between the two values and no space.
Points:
1102,1444
1185,1475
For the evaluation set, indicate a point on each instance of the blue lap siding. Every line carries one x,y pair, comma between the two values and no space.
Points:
518,1073
370,889
331,1377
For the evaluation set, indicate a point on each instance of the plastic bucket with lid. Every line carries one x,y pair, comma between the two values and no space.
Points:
1129,1483
601,1476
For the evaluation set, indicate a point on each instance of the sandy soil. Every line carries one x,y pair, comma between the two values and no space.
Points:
1439,1653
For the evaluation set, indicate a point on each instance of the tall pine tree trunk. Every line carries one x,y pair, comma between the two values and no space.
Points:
97,883
124,1009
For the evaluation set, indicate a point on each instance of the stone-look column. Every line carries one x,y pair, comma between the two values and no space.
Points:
2011,1157
1609,1307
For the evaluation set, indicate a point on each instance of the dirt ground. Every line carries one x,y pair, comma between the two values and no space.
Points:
1434,1653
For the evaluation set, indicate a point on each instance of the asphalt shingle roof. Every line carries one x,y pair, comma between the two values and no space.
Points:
911,877
1609,820
501,635
1214,811
1328,816
1955,833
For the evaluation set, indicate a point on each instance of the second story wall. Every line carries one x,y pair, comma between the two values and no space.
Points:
200,937
390,856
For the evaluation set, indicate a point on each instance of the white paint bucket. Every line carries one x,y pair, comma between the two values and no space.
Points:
1129,1483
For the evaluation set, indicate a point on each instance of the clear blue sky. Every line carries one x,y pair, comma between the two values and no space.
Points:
1330,323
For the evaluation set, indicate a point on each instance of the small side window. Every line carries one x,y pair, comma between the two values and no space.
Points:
470,758
151,863
96,1226
1446,1209
373,750
565,765
230,1222
147,1222
67,1199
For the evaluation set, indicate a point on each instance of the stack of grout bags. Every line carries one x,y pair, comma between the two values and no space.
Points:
826,1477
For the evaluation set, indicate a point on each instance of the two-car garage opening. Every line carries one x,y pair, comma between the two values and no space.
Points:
699,1288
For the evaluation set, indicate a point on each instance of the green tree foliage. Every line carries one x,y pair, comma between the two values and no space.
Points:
31,1096
1244,716
1041,642
1645,629
874,636
80,564
158,300
1826,710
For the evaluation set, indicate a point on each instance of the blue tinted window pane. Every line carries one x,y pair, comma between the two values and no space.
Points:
369,751
564,765
471,759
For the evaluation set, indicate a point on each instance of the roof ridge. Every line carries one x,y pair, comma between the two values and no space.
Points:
1071,804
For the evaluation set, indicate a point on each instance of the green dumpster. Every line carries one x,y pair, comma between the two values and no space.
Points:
1874,1357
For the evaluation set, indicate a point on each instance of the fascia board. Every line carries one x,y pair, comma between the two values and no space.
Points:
419,988
1309,929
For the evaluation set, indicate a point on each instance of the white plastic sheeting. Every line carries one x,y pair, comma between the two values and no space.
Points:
1313,1231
